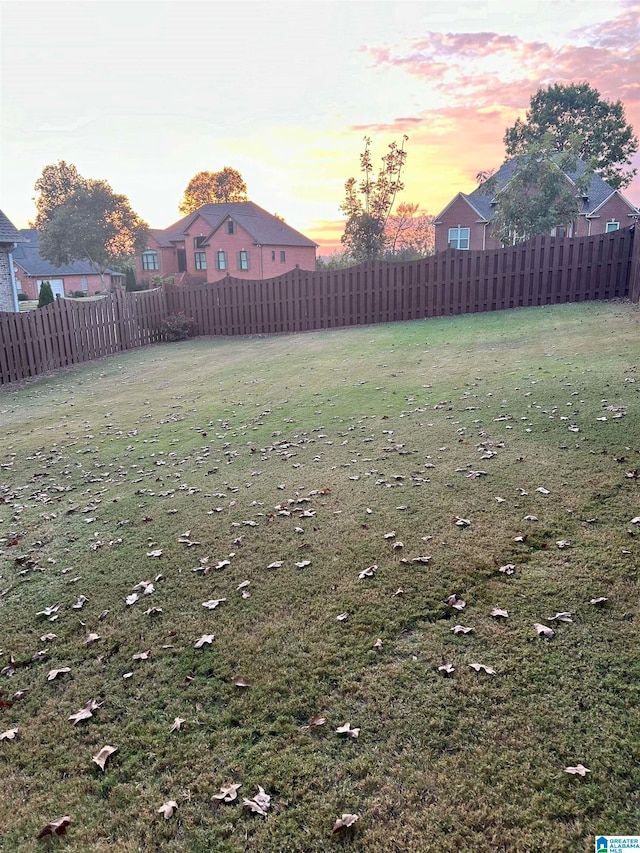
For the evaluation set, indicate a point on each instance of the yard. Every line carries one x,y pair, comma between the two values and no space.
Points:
216,554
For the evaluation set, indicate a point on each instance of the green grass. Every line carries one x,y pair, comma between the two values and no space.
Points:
378,427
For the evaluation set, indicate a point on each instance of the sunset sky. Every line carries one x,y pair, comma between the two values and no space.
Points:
144,94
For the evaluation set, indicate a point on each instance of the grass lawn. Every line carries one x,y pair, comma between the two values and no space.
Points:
478,462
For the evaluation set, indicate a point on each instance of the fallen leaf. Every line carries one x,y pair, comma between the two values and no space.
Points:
341,617
456,603
600,600
142,655
167,809
239,681
259,804
543,491
446,667
578,770
157,552
205,638
80,603
460,629
367,573
48,611
131,599
54,673
100,758
91,638
462,522
303,564
47,638
509,569
565,616
498,613
228,793
563,543
276,564
378,644
544,630
177,724
345,729
480,666
317,720
86,712
344,822
240,586
56,827
213,603
10,734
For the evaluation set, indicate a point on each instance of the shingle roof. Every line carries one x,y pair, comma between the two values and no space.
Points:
597,192
29,258
8,232
266,229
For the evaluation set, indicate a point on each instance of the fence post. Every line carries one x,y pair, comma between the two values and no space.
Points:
634,270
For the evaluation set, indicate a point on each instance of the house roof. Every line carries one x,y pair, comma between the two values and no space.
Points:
28,257
263,227
597,193
8,232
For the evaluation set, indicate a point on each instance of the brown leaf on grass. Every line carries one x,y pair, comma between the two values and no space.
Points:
544,630
378,644
100,758
228,793
563,543
277,564
600,600
177,724
259,804
498,613
153,611
456,603
390,535
49,611
47,638
345,729
564,616
10,734
239,681
54,673
303,564
578,770
367,573
157,552
445,667
80,603
55,827
103,615
241,586
341,617
421,559
344,822
461,629
131,599
462,522
167,809
205,638
482,667
317,720
86,712
91,638
142,655
213,603
508,569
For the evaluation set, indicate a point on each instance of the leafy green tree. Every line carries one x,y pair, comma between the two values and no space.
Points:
368,203
94,224
334,261
539,196
53,188
45,296
213,187
578,119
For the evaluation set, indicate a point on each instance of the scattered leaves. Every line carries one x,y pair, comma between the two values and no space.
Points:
344,822
56,827
167,809
345,729
260,804
228,793
578,770
100,758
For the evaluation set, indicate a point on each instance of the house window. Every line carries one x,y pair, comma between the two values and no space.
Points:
459,238
150,261
231,226
201,260
273,256
560,231
243,259
612,226
198,242
283,256
83,283
221,260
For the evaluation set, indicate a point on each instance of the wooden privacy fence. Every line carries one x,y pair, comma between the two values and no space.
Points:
72,331
543,271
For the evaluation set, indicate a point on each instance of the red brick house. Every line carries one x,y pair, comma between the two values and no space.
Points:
238,239
31,269
465,223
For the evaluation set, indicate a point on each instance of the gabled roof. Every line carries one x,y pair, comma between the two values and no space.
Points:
8,232
263,227
468,200
597,193
28,257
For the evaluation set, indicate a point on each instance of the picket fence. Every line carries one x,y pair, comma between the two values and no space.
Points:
542,271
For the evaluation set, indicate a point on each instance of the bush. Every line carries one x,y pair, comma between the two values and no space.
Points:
178,327
22,297
78,294
46,295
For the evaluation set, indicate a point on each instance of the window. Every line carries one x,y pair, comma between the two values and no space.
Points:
83,283
459,238
273,255
231,226
201,260
199,242
150,261
283,256
221,260
612,226
243,259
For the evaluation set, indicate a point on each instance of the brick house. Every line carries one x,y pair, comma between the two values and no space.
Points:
31,269
238,239
10,239
465,223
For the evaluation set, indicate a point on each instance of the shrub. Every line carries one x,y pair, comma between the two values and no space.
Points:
78,294
22,297
46,295
178,327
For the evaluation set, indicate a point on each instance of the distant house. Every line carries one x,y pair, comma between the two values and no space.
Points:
10,238
465,223
238,239
31,269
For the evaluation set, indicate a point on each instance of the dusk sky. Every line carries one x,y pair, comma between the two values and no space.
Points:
144,94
